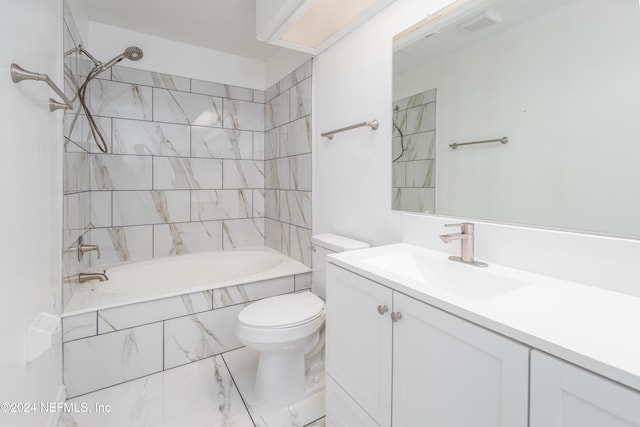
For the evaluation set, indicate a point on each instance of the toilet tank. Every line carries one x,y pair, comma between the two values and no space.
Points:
323,245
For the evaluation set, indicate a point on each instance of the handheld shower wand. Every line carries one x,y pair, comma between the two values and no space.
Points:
132,53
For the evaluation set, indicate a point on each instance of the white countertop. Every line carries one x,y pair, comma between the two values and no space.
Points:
591,327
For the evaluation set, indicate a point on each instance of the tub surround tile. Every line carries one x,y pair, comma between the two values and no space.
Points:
303,281
150,207
187,108
300,100
274,234
221,204
186,238
414,199
420,146
122,244
272,204
101,209
242,174
300,172
221,143
221,90
298,139
296,243
258,203
123,100
243,364
277,111
76,219
295,208
112,172
79,326
148,78
124,317
191,338
259,96
252,291
258,145
76,172
399,177
277,173
273,140
136,137
420,173
180,173
121,356
421,118
243,115
76,129
238,233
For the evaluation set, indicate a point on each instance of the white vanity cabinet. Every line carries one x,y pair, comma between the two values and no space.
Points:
442,370
564,395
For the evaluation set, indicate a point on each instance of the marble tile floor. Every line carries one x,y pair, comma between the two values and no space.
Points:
213,392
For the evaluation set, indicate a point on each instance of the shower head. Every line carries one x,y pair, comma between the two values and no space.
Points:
132,53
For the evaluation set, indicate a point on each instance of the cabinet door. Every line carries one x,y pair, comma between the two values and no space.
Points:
450,372
342,410
358,349
563,395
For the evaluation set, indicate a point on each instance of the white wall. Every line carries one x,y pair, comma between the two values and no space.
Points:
567,95
352,83
172,57
31,214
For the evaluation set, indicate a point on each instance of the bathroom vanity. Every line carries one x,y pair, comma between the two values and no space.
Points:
415,339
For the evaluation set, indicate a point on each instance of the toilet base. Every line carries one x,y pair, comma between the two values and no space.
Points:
280,379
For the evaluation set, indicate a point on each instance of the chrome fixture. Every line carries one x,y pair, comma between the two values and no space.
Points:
466,244
82,248
373,124
85,277
395,316
132,53
19,74
382,309
503,140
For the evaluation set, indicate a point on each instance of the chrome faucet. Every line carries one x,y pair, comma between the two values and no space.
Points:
85,277
466,244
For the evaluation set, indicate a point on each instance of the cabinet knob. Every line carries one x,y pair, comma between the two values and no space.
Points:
396,316
382,309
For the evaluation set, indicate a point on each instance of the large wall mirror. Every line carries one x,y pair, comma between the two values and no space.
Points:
559,78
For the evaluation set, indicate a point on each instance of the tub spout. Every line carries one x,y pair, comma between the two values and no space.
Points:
85,277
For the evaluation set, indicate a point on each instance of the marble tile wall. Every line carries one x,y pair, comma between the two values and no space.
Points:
414,166
110,346
184,171
76,166
287,169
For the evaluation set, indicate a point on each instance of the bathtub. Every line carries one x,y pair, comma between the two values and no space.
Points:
179,275
155,315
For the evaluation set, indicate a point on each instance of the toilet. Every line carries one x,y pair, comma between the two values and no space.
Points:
286,328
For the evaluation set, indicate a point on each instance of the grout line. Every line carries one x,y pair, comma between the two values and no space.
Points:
238,389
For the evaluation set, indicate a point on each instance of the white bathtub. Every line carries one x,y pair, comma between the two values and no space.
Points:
182,274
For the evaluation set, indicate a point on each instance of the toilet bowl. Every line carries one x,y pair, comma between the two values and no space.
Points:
288,332
282,329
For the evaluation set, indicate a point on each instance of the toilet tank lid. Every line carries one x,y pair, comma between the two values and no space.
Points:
336,243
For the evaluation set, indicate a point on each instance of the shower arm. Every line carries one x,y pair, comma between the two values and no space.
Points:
19,74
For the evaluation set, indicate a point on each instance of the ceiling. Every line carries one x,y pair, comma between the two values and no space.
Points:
224,25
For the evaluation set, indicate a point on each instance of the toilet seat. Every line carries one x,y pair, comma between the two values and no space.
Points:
283,311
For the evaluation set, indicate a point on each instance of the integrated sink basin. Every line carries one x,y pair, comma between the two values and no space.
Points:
463,280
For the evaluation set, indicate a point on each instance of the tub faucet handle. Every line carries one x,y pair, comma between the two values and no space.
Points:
82,248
